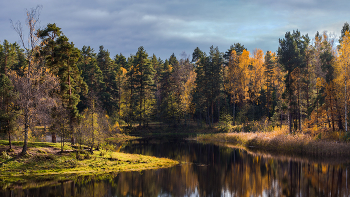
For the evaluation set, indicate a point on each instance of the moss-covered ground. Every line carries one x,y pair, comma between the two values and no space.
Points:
45,161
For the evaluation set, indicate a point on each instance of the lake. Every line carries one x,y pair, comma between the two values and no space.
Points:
207,170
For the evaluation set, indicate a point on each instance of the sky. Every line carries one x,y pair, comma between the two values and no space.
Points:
164,27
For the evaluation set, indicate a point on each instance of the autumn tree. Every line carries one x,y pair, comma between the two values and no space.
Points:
256,79
344,62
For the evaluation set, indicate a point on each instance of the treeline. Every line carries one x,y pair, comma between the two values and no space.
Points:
83,95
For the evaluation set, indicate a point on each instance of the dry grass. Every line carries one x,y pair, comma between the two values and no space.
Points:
280,141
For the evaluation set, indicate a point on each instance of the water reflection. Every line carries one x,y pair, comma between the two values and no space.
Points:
207,170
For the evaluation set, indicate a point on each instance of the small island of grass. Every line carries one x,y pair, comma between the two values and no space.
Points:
46,161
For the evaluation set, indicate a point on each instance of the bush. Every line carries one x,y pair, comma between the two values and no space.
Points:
102,153
87,156
237,128
78,156
225,124
5,156
346,137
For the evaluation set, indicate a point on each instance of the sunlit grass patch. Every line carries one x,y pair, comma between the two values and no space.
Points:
46,160
281,141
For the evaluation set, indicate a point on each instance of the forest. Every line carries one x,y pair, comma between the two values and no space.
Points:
82,95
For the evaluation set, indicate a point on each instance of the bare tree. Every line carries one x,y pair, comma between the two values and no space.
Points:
33,86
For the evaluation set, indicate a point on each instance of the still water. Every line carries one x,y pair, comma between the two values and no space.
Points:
207,170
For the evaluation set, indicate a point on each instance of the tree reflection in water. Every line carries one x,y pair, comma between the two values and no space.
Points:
207,170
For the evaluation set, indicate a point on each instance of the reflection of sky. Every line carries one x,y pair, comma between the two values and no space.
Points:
166,27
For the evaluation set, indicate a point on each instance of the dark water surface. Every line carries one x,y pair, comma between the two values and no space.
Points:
207,170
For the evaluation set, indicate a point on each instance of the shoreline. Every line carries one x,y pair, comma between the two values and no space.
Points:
278,143
45,163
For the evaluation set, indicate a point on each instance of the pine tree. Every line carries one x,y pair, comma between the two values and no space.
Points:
166,91
291,55
109,92
8,111
269,71
62,57
121,70
92,76
7,57
143,79
208,81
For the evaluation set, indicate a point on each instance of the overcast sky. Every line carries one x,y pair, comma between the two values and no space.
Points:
164,27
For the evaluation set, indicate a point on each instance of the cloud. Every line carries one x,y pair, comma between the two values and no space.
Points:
166,27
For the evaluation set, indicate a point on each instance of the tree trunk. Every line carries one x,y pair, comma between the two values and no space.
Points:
268,102
140,107
332,113
70,104
212,113
340,123
233,111
26,127
345,119
92,129
299,111
317,107
281,116
10,143
289,109
53,137
219,109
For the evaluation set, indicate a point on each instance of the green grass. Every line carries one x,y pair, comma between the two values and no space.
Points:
42,163
120,138
37,144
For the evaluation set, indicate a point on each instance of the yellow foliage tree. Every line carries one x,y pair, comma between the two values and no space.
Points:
343,67
257,78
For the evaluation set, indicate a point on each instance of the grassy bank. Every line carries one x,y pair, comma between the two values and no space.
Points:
119,138
46,162
280,141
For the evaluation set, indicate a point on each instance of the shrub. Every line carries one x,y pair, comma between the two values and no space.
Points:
5,156
87,156
346,137
225,124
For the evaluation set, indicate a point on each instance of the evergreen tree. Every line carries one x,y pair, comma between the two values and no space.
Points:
121,70
209,81
269,75
92,76
143,84
346,28
109,92
8,111
291,55
8,57
62,58
130,86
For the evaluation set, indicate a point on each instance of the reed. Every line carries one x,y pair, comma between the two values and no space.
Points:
280,141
